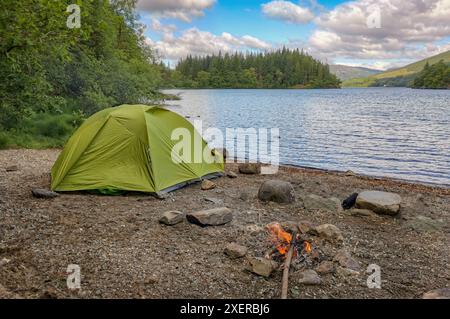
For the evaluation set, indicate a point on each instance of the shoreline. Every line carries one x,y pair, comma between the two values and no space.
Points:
444,187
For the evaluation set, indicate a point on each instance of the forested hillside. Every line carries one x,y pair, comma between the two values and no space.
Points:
436,76
281,69
53,75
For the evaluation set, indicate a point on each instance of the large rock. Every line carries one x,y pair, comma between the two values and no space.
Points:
211,217
234,251
443,293
379,202
315,202
250,168
309,277
277,191
261,266
43,193
330,233
171,218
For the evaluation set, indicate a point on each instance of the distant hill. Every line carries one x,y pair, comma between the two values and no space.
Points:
345,72
397,77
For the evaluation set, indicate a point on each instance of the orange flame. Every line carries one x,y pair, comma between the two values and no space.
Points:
307,247
280,238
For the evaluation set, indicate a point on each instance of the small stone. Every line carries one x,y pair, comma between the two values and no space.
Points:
171,218
305,226
309,277
211,217
213,200
152,279
379,202
250,168
356,212
350,173
231,174
330,233
262,266
43,193
443,293
12,168
344,259
207,185
277,191
325,267
4,261
235,251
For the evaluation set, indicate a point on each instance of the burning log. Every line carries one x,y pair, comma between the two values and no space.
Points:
287,265
287,245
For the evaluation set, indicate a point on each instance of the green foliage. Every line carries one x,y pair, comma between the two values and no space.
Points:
4,140
436,76
49,68
280,69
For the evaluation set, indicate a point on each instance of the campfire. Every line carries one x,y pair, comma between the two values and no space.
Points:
290,247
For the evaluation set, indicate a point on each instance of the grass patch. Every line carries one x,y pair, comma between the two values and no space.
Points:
41,131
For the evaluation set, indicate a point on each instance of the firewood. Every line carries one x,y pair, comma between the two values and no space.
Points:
287,265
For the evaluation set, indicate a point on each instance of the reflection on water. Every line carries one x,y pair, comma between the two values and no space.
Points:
395,132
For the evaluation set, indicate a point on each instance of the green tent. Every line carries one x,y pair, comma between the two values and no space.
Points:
130,148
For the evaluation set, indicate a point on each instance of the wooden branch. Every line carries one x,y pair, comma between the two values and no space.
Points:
287,265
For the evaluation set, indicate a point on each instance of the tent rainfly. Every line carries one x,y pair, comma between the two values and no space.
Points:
130,148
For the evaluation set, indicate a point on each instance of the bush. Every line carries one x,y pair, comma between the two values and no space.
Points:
48,125
4,141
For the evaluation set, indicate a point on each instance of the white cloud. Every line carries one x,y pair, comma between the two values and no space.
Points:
157,26
407,28
183,10
287,11
196,42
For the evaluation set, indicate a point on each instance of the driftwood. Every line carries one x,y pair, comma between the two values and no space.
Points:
287,265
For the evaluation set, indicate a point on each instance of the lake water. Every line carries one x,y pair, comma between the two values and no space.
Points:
392,132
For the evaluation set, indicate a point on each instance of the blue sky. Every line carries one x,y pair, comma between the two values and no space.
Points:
373,33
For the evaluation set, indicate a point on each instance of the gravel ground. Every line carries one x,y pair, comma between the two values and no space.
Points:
124,252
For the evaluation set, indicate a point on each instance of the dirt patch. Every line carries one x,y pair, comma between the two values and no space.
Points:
124,252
